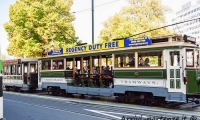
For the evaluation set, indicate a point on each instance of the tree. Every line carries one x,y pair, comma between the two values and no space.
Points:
139,16
35,24
3,57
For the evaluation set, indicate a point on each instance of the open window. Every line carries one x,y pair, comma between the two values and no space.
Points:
46,65
124,60
174,58
58,64
189,58
150,59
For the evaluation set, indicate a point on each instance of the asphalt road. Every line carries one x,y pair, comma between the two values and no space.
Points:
23,106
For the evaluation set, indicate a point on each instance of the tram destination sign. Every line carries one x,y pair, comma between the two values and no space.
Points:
127,42
135,82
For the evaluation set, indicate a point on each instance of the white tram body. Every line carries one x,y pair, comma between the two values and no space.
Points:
16,73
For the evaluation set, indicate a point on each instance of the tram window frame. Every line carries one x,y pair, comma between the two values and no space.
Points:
5,70
57,62
69,60
35,67
148,54
44,62
117,58
189,50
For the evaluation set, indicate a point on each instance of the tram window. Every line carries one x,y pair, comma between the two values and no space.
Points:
13,69
58,64
46,65
175,58
69,65
5,69
33,67
19,69
25,67
150,59
189,57
124,60
197,57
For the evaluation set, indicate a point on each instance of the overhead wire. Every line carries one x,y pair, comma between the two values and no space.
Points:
158,28
87,9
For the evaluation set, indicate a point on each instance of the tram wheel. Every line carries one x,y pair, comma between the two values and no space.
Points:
62,93
126,98
16,89
53,92
7,88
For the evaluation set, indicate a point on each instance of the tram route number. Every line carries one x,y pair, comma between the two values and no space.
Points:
159,118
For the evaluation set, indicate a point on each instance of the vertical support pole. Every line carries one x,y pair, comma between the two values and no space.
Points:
106,61
28,68
92,21
73,66
100,65
51,65
136,60
82,65
1,97
91,66
22,71
65,63
92,26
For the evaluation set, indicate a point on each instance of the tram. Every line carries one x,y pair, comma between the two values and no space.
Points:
161,69
20,74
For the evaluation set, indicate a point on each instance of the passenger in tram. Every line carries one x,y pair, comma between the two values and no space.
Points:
105,76
77,77
109,73
86,71
67,68
95,75
94,72
54,66
86,76
141,62
131,63
146,63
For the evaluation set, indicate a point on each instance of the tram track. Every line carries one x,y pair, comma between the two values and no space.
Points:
108,107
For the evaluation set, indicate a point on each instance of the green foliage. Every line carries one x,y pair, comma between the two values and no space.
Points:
139,16
34,24
3,57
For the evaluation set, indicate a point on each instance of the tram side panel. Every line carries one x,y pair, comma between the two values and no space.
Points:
139,84
193,85
53,81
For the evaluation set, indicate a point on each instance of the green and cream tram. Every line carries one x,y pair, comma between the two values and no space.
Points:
163,69
159,69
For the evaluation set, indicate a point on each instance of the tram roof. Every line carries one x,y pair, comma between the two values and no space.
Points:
161,42
18,61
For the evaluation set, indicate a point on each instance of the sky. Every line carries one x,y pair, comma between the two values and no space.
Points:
83,22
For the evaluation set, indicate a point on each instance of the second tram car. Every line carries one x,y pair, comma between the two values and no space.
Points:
20,74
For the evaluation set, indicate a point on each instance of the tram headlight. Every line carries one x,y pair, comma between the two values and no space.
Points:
185,80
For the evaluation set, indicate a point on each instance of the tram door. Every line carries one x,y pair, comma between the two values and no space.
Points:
175,71
25,72
29,67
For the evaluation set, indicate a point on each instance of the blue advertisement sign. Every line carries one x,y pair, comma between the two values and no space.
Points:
56,51
130,42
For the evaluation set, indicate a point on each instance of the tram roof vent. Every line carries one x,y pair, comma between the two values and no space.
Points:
81,44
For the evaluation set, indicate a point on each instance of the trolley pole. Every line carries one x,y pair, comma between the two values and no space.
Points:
92,27
92,21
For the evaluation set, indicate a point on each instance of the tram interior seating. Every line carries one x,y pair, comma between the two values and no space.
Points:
95,79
